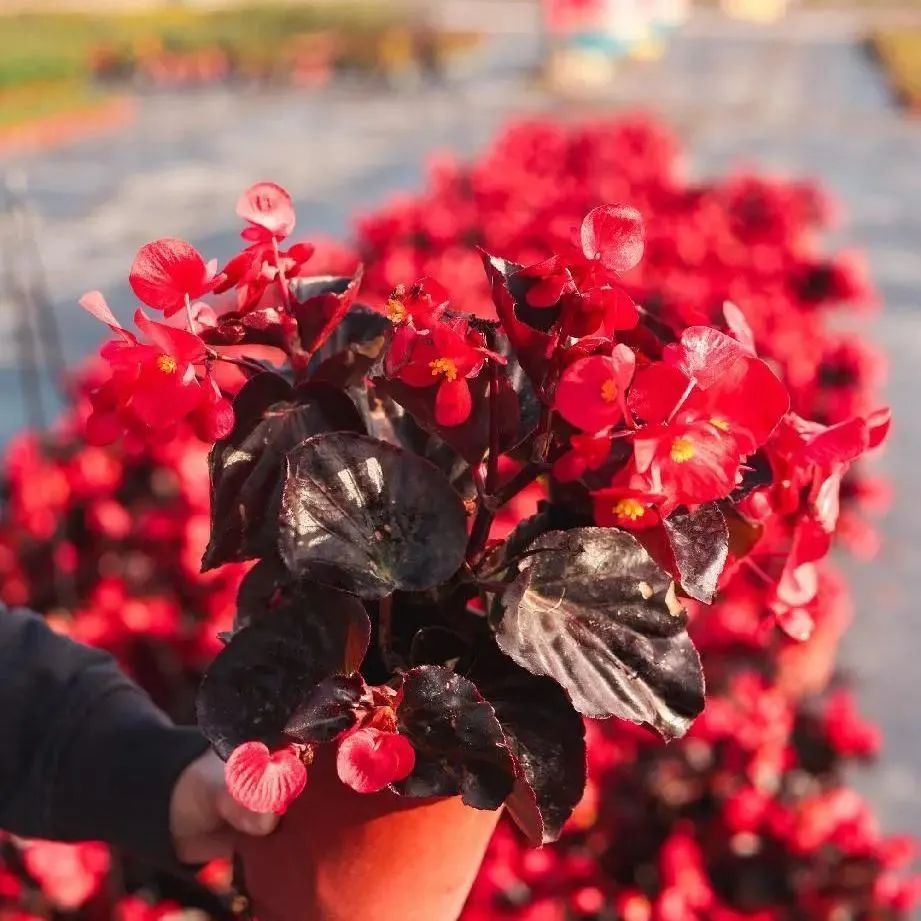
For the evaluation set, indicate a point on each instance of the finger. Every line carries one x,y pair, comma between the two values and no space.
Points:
206,847
245,820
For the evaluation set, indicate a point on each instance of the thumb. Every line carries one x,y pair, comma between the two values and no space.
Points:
242,819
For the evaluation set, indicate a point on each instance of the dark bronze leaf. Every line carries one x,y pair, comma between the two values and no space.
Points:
547,738
268,669
460,747
247,467
260,590
699,542
353,349
328,710
591,609
368,517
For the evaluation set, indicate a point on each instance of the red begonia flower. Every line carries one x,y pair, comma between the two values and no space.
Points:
69,874
422,304
688,462
586,453
265,781
258,267
369,759
592,391
748,402
613,236
155,382
445,357
166,273
268,209
625,507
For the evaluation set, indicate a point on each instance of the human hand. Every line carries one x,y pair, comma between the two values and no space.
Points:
204,817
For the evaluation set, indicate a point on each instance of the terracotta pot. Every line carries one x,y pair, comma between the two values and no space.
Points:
343,856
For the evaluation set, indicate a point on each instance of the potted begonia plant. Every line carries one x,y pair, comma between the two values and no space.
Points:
396,673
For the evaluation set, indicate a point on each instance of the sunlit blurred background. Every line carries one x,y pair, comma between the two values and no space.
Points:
127,120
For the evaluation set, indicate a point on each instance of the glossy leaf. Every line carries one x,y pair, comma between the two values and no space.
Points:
320,303
247,467
270,668
459,744
366,516
260,590
530,345
699,541
547,737
327,711
591,609
353,349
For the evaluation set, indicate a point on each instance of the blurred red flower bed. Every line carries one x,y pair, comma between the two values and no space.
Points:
748,817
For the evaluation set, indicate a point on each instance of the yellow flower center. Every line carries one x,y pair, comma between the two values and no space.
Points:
682,450
396,310
609,390
721,424
167,364
629,508
444,366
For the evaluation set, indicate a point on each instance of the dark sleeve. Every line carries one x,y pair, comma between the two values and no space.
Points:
84,753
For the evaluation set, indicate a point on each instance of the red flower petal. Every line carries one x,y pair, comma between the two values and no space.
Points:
797,623
214,417
879,422
613,235
184,346
619,309
165,272
738,326
547,291
592,390
838,444
264,781
162,397
623,507
453,403
656,390
103,428
369,759
94,303
268,207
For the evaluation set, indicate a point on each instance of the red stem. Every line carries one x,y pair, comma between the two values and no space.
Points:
280,278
